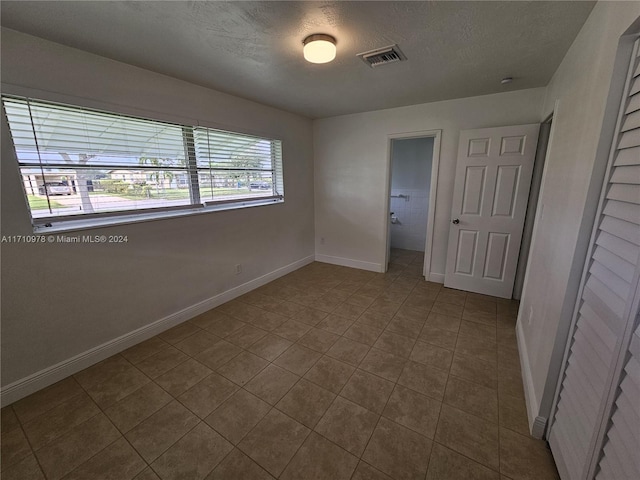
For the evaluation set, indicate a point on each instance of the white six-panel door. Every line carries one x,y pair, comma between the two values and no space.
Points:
493,176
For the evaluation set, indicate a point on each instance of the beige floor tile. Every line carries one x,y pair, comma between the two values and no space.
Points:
147,474
237,466
197,343
335,324
267,320
318,340
25,469
447,309
292,330
270,347
14,447
360,300
181,378
102,371
405,327
424,379
161,430
161,362
478,371
478,330
367,390
348,351
46,399
479,316
477,348
117,387
207,319
506,335
297,359
375,319
287,309
443,322
525,458
385,307
9,419
179,332
429,354
272,383
274,441
472,398
396,344
455,297
508,356
469,435
364,471
306,402
242,368
77,446
208,394
246,336
225,325
480,304
136,407
413,410
319,459
311,316
330,374
363,333
194,456
349,310
411,314
118,461
238,415
510,382
420,301
59,420
438,337
398,451
218,355
383,364
348,425
445,464
143,350
513,413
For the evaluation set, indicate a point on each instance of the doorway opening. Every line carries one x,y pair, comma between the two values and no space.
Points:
413,172
544,139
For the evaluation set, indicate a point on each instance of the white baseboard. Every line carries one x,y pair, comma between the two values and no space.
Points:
348,262
50,375
436,277
537,424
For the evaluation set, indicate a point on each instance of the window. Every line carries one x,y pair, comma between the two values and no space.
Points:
80,164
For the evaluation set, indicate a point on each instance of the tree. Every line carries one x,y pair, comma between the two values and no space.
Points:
158,176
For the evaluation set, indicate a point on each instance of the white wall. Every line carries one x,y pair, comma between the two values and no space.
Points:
59,300
570,188
411,160
352,161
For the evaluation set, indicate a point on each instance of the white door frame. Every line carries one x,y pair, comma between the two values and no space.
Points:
436,135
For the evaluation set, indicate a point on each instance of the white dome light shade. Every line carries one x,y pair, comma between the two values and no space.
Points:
319,48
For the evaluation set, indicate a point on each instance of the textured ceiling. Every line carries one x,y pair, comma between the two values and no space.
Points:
254,49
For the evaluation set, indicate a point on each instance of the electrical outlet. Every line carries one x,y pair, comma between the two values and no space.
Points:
238,269
321,240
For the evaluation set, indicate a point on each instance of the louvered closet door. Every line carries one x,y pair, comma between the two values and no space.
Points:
604,323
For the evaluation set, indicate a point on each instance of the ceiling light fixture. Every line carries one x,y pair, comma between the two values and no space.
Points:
319,48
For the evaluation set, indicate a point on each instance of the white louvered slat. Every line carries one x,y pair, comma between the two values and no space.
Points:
591,436
628,156
615,264
625,193
634,104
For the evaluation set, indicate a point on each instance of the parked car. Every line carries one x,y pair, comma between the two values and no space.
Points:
257,186
55,188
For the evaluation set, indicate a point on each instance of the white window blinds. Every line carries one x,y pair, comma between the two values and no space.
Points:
77,162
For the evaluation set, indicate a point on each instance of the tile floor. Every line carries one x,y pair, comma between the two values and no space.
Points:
327,373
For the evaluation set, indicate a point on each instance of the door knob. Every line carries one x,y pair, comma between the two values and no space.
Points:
455,221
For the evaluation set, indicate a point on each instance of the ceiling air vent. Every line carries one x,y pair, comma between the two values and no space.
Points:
380,56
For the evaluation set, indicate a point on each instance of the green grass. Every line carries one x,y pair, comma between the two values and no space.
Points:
177,193
40,203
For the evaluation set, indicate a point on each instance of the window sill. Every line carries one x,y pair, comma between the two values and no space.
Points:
76,224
